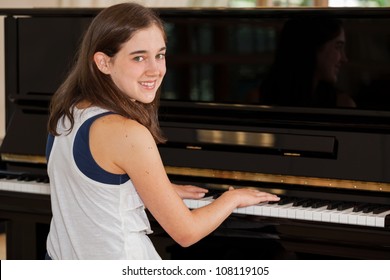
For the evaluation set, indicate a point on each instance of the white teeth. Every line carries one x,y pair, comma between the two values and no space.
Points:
148,84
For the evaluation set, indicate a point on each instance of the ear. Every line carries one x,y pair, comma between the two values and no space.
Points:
102,62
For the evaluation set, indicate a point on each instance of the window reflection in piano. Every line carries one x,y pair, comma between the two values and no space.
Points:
217,60
224,60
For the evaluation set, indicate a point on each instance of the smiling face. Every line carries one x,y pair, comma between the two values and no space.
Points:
330,59
138,68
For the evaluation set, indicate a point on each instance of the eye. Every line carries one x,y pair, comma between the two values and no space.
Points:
160,56
139,58
340,46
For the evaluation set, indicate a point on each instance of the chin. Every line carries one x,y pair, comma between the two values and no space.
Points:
149,98
332,79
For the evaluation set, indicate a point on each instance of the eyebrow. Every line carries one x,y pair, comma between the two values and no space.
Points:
143,51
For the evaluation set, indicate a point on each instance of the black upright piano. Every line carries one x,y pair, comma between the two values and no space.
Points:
330,164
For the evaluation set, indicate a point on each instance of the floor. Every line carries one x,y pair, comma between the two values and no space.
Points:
2,246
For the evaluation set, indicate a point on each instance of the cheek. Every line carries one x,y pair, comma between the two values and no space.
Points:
324,68
163,69
334,56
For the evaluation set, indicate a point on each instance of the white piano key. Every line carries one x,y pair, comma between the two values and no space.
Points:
258,209
292,212
308,214
289,211
274,210
197,203
266,210
189,203
326,215
362,218
283,211
250,210
300,213
317,213
353,218
341,216
277,210
381,218
371,220
241,210
24,186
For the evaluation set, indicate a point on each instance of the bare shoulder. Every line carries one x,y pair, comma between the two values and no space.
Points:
117,142
118,128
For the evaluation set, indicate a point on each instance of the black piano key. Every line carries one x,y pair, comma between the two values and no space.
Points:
273,202
334,205
46,180
369,208
286,200
11,176
26,178
359,207
308,203
345,206
381,209
4,174
320,203
41,178
216,195
299,201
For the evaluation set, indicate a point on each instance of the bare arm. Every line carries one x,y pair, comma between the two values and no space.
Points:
144,166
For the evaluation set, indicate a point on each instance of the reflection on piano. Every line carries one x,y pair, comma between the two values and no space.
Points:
329,165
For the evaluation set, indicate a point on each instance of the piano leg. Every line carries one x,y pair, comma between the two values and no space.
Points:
27,220
25,240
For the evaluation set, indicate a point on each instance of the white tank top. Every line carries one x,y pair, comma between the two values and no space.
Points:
96,214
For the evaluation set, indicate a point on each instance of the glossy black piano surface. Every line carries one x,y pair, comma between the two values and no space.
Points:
220,130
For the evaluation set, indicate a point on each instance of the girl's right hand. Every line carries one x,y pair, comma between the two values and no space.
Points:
246,196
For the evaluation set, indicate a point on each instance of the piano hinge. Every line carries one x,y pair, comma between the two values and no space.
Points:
193,147
23,158
278,178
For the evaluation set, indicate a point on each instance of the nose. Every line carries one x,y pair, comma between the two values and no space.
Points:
152,67
344,58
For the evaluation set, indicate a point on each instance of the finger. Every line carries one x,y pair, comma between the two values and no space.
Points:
194,188
194,195
269,197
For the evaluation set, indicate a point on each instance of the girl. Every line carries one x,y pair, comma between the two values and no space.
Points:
103,162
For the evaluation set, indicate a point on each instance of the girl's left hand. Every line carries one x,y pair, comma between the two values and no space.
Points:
189,191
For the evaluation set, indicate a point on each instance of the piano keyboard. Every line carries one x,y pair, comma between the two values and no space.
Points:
287,208
24,185
313,210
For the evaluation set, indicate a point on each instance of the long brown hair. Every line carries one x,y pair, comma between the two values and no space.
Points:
108,31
